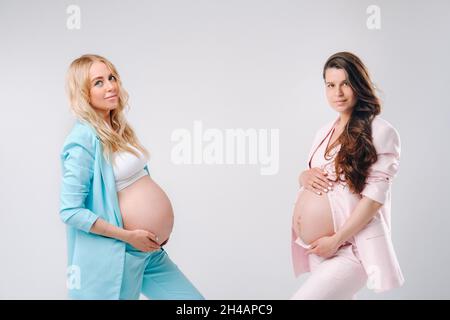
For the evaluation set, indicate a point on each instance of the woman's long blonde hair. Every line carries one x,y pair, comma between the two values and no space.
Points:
78,88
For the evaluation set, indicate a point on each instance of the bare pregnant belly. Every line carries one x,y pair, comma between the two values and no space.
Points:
144,205
312,217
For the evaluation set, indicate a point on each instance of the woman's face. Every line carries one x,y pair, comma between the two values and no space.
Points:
103,89
340,94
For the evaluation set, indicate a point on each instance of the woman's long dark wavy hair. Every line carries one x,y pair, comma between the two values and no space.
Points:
357,152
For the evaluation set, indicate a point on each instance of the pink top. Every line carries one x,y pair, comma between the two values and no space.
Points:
373,242
318,158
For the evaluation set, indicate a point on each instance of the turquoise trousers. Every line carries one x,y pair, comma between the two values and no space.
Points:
154,275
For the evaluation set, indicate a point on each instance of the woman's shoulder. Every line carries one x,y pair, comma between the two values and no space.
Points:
81,133
384,134
383,128
381,123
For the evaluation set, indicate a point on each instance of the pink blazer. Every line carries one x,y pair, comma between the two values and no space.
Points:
374,241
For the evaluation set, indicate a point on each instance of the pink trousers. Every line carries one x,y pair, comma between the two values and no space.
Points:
336,278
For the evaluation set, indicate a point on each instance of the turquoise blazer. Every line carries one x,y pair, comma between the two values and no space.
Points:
88,191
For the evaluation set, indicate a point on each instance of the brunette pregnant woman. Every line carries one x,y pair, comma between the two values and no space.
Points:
118,219
313,218
341,220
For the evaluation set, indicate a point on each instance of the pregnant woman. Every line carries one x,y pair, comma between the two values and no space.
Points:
118,219
341,221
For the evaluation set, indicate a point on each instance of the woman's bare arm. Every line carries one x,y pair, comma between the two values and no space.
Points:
103,228
140,239
360,217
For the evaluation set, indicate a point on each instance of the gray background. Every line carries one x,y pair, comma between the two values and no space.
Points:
230,64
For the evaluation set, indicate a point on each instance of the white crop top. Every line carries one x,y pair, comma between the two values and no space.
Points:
128,168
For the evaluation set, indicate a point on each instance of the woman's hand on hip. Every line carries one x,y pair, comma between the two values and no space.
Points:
325,247
143,240
315,180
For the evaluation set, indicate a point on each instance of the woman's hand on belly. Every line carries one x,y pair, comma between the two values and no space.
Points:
315,180
142,240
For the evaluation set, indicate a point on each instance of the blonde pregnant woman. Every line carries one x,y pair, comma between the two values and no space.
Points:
118,219
143,204
341,219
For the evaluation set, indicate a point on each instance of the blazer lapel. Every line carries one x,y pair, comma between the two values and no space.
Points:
321,136
109,183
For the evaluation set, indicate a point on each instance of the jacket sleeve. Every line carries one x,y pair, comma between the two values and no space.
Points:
378,183
77,162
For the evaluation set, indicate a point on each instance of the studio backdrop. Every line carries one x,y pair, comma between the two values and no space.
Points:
208,72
